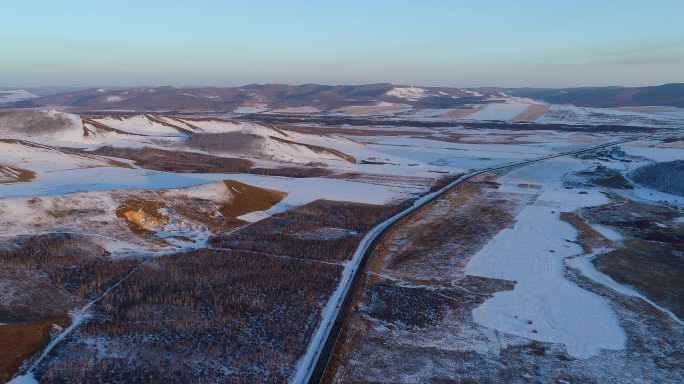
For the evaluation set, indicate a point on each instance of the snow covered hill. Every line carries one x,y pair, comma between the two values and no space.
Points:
13,96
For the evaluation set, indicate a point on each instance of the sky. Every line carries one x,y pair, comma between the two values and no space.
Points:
470,43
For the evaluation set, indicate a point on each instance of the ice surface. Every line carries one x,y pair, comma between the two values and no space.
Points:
104,179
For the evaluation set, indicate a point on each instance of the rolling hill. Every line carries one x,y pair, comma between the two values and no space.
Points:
671,95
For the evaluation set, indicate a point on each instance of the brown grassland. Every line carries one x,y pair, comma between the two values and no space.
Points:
649,259
247,198
19,341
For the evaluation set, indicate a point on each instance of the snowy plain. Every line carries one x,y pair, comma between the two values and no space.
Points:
544,305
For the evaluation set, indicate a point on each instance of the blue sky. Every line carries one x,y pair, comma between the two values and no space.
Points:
460,43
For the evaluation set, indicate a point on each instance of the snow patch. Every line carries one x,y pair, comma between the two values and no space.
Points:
114,99
544,305
408,93
607,232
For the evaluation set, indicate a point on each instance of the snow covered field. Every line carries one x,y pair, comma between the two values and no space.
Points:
408,93
569,114
543,305
500,111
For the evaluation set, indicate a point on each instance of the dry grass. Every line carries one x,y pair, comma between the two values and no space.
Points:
419,234
436,241
11,174
350,339
43,277
588,237
650,257
424,254
652,268
248,198
19,341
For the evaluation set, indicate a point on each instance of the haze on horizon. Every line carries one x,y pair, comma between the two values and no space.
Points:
225,43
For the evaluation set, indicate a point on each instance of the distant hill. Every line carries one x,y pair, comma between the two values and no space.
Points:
270,96
259,97
671,95
15,95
